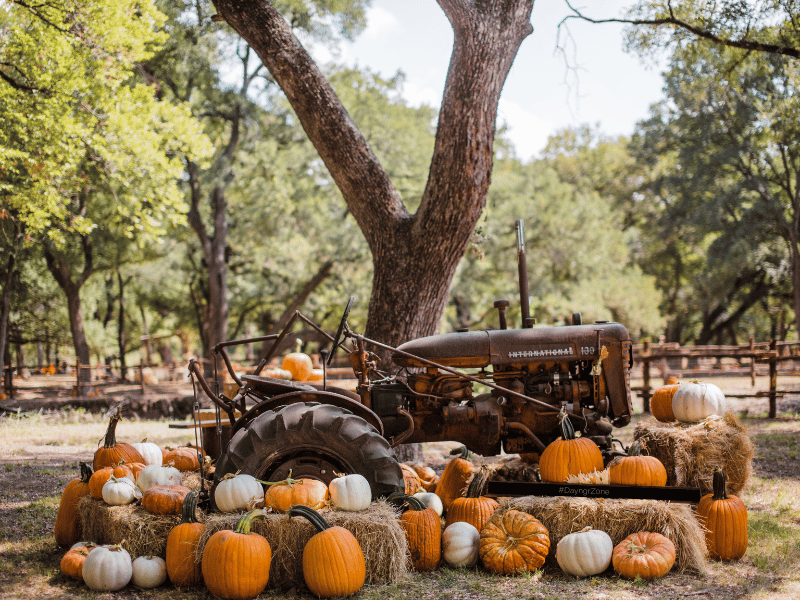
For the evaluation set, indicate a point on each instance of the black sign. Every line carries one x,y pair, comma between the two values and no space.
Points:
632,492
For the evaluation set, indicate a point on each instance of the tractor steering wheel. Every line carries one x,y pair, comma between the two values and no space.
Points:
337,338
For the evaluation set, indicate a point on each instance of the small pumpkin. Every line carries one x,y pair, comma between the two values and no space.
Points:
431,500
473,508
99,478
165,499
513,542
236,563
107,568
461,544
644,554
569,455
350,492
696,401
426,475
584,553
282,495
236,492
455,476
661,403
68,528
423,529
333,562
119,491
72,561
148,572
182,543
299,365
724,519
411,480
154,475
112,453
151,453
184,458
637,469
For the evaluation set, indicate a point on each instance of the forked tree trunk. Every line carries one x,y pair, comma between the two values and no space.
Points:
414,256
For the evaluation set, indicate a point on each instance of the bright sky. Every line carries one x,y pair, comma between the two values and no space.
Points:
615,89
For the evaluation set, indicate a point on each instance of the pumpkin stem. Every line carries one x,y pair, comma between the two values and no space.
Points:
86,472
111,435
288,481
567,430
719,484
313,517
635,449
461,452
399,498
246,521
475,487
188,508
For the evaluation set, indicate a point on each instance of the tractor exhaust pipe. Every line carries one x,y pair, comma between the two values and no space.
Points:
524,298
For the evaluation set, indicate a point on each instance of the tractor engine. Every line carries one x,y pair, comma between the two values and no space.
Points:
504,389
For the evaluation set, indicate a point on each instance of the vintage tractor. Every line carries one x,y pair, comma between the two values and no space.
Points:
493,390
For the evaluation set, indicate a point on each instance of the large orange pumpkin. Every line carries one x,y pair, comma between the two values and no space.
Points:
513,542
282,495
569,455
165,499
112,453
182,543
423,529
473,508
236,563
636,469
333,562
724,519
661,403
455,476
643,554
68,528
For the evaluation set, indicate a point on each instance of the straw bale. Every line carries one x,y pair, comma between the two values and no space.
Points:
377,530
690,452
619,519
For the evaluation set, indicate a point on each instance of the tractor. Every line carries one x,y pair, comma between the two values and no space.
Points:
496,390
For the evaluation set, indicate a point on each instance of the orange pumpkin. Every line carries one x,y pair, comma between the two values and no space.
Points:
182,543
68,528
724,519
282,495
236,563
184,458
72,561
100,477
473,508
333,562
513,542
410,479
643,554
661,403
165,499
423,529
569,455
636,469
455,476
112,453
299,365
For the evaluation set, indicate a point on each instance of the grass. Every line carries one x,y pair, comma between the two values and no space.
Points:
32,483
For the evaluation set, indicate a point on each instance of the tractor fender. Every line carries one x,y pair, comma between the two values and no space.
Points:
321,396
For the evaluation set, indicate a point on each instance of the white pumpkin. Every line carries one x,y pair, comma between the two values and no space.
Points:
156,475
149,572
460,542
118,491
236,492
431,500
350,492
587,552
107,569
150,452
695,401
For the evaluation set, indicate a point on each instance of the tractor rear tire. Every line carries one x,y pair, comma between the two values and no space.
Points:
312,440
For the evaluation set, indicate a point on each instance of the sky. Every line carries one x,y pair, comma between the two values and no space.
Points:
614,89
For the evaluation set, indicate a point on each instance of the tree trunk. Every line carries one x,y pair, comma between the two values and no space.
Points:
414,256
5,311
121,341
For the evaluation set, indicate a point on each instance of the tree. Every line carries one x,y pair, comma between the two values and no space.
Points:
414,255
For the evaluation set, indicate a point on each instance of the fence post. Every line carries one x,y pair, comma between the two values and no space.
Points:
78,378
752,362
773,379
646,377
141,376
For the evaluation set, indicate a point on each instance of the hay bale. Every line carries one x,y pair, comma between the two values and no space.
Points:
690,452
377,530
619,519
